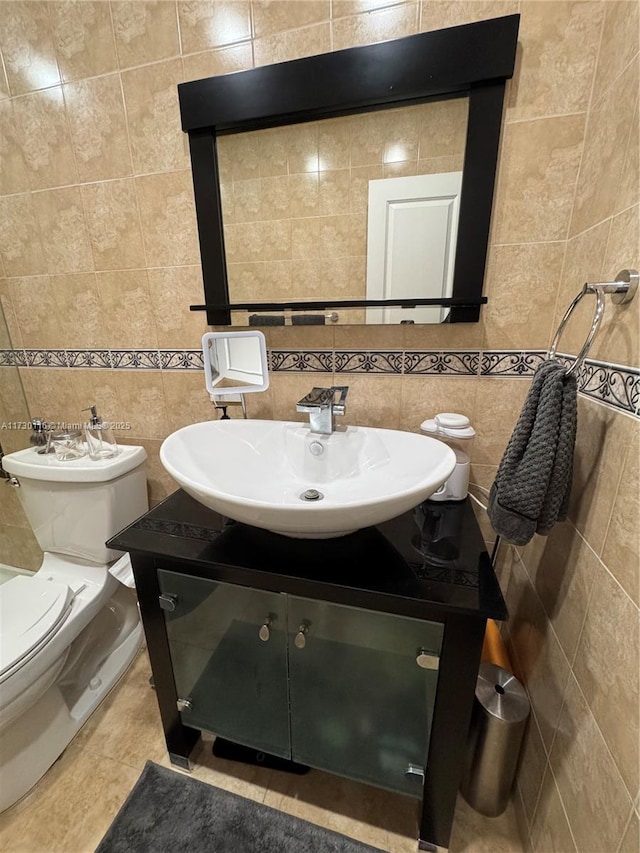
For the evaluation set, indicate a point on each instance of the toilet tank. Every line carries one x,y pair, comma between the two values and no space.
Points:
73,507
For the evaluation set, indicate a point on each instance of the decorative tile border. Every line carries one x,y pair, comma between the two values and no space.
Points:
301,361
20,358
181,360
613,384
442,363
509,363
88,358
369,361
138,359
46,357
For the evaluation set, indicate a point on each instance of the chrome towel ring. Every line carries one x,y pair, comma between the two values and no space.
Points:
623,289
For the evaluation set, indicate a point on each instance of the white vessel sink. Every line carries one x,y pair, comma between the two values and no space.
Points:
258,471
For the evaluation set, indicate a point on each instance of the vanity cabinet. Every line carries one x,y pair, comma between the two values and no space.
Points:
229,659
356,655
362,688
348,690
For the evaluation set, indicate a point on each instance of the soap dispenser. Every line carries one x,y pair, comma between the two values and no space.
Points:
456,431
101,441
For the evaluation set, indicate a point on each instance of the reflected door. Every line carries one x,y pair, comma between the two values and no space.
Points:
229,657
362,692
411,244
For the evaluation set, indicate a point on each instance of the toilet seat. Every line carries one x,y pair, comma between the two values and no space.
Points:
31,611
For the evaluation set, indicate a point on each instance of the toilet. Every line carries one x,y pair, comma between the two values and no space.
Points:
69,631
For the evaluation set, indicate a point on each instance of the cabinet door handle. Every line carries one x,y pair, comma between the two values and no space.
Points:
168,601
263,633
301,636
185,704
414,771
426,660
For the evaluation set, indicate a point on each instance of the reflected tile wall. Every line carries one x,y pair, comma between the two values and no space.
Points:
99,262
303,195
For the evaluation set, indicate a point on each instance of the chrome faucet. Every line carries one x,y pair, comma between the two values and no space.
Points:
321,408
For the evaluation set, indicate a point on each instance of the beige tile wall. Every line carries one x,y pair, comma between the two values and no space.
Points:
574,639
18,545
98,248
574,629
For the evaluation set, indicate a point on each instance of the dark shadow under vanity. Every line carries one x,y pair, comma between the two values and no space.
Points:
356,655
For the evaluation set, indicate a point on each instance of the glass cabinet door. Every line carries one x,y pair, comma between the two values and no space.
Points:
362,691
229,657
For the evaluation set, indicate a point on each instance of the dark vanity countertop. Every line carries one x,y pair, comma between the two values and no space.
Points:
425,561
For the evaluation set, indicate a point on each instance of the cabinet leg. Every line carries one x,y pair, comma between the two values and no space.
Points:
181,762
459,661
180,739
431,848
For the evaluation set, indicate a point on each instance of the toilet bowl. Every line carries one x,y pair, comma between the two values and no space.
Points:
69,631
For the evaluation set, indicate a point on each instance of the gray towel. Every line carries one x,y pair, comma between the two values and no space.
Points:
307,320
533,484
266,319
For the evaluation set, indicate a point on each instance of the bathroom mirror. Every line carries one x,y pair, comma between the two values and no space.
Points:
470,62
358,207
235,362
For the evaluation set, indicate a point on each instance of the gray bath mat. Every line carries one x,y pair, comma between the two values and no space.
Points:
167,812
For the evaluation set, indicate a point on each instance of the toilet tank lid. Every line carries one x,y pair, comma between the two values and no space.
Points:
37,466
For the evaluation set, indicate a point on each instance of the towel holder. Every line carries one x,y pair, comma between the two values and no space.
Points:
623,289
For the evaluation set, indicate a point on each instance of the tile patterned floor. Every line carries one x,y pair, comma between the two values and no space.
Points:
71,808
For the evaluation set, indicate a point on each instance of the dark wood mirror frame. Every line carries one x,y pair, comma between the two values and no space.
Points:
473,60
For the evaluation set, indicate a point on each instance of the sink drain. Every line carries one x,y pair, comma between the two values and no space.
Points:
311,495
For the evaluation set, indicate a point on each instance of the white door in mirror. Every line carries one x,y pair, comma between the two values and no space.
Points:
235,363
412,235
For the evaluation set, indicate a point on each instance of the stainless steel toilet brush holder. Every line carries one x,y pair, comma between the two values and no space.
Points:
500,713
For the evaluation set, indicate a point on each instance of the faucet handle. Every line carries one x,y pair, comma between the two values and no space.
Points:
322,398
340,407
316,398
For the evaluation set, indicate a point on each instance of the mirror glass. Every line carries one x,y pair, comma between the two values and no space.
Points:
235,362
358,207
